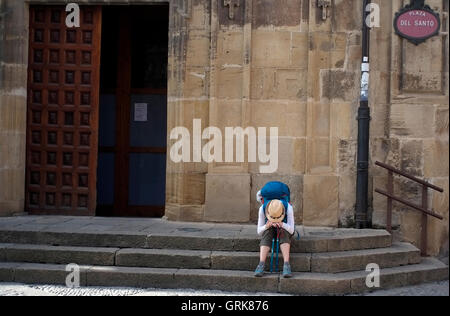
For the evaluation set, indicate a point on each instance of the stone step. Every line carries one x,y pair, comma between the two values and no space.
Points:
429,270
397,255
214,240
58,254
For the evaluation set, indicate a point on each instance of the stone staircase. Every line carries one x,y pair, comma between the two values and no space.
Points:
214,257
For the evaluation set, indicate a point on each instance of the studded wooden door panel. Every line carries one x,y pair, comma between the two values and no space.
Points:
63,101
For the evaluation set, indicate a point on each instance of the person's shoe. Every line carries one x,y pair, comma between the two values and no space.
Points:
259,272
287,272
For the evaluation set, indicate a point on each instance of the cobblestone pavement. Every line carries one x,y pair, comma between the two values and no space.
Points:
432,289
8,289
13,289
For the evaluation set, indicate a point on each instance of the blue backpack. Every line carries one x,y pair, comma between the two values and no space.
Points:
276,191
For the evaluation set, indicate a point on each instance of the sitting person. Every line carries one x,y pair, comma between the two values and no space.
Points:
275,220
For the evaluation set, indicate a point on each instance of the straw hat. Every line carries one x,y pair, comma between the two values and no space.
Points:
275,211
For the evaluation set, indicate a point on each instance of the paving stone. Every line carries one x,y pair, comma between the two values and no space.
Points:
429,270
387,281
26,237
189,242
162,258
11,222
107,239
131,277
247,261
333,262
425,274
359,242
315,284
223,233
309,245
7,271
234,227
94,228
3,252
31,227
32,273
225,280
49,220
60,255
246,244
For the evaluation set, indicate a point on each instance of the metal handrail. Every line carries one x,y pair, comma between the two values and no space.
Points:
423,208
431,213
404,174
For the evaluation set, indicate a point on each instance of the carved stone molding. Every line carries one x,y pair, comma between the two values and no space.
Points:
231,12
324,4
231,4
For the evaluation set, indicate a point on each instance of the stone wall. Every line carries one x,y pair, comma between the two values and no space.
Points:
13,79
307,70
189,73
277,63
274,63
410,123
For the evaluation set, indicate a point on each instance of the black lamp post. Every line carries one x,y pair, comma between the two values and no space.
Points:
362,182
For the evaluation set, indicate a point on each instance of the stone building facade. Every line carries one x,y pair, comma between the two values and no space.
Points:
282,63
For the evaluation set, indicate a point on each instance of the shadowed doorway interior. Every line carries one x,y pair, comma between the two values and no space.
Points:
133,111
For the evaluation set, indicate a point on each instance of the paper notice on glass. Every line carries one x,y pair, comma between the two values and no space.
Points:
140,112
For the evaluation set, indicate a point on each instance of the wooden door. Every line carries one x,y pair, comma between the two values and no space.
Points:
63,99
132,162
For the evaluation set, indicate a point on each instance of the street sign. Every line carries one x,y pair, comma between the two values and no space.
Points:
417,22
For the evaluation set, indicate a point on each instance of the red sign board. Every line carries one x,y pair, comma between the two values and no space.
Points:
417,25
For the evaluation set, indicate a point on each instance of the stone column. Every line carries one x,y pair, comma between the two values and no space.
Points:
333,71
188,92
228,184
13,107
279,91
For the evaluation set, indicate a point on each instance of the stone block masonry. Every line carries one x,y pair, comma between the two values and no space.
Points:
276,63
